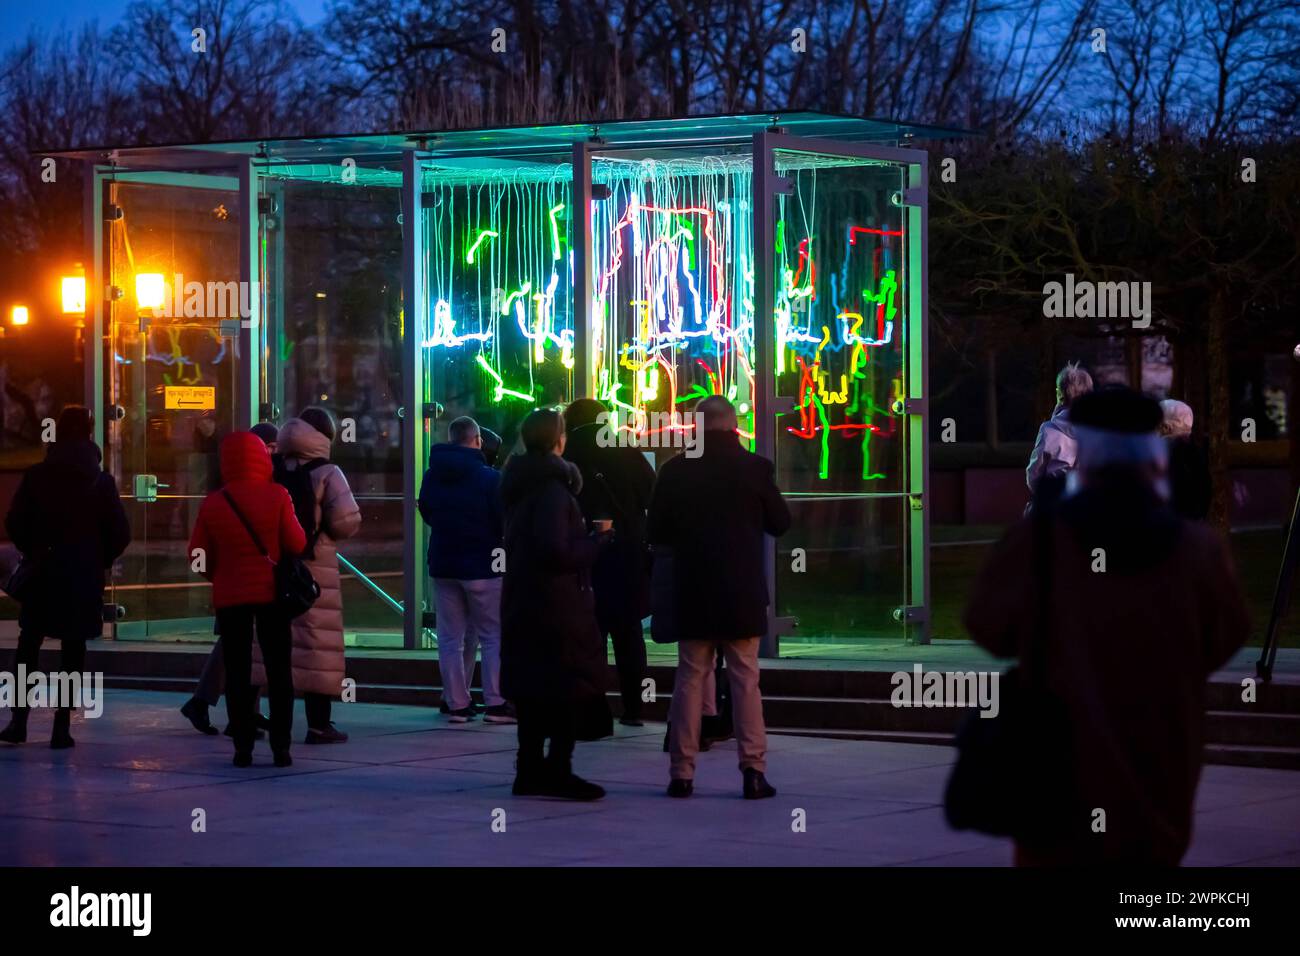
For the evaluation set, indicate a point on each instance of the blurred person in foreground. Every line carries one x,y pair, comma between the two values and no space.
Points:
713,511
1143,607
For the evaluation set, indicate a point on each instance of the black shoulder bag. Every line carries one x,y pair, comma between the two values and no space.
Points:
295,589
1014,772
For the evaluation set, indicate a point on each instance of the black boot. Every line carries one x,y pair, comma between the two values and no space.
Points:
16,732
756,785
530,776
61,737
563,783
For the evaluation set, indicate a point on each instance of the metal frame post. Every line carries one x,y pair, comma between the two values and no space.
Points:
248,374
762,202
96,293
583,359
415,583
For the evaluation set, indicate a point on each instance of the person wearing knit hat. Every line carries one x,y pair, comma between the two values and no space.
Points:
1126,609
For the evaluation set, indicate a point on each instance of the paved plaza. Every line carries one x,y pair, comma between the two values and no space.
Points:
411,789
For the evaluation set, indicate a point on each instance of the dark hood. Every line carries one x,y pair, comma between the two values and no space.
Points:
1120,513
450,464
80,454
525,474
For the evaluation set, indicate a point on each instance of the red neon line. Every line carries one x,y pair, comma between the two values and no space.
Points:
873,232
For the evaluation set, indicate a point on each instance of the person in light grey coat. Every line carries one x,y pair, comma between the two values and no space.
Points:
318,660
1056,448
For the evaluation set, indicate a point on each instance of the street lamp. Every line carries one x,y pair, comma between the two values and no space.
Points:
19,315
150,290
74,295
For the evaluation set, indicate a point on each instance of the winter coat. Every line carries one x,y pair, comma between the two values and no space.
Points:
551,650
318,663
1128,652
616,484
460,501
1054,450
713,511
239,573
67,517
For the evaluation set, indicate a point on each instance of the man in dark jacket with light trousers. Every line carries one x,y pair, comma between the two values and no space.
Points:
713,511
459,501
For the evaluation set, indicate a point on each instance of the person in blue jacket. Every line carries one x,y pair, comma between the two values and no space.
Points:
460,503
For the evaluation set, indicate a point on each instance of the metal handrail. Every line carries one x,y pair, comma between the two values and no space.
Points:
378,591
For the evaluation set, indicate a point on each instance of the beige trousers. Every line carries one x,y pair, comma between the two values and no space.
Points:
694,675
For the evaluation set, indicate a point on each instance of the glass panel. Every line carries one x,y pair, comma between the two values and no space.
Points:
498,266
850,577
841,438
840,325
175,255
331,265
672,288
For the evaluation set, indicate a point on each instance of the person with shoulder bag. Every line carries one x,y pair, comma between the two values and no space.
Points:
245,532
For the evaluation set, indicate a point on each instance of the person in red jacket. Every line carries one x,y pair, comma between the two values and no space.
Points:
243,586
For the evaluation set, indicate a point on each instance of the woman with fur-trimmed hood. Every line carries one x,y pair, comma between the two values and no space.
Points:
318,660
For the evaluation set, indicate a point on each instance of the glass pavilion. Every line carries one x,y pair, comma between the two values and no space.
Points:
401,280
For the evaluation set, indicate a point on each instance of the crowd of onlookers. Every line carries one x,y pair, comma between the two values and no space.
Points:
1112,587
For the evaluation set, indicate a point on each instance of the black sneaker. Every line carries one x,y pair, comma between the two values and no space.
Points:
500,714
196,712
462,716
443,708
243,758
328,734
282,758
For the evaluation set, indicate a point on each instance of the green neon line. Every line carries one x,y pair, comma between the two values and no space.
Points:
499,392
469,256
824,468
555,231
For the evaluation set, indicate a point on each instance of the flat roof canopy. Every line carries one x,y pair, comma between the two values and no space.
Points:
535,141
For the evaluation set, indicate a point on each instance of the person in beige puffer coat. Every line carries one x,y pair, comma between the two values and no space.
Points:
318,662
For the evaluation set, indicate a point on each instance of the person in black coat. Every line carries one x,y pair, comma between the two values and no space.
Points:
553,663
67,520
713,511
616,485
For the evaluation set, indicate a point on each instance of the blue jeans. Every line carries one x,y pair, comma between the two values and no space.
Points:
469,619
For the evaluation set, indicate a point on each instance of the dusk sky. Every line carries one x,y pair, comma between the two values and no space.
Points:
17,17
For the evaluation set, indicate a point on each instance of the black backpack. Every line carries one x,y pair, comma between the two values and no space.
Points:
297,481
